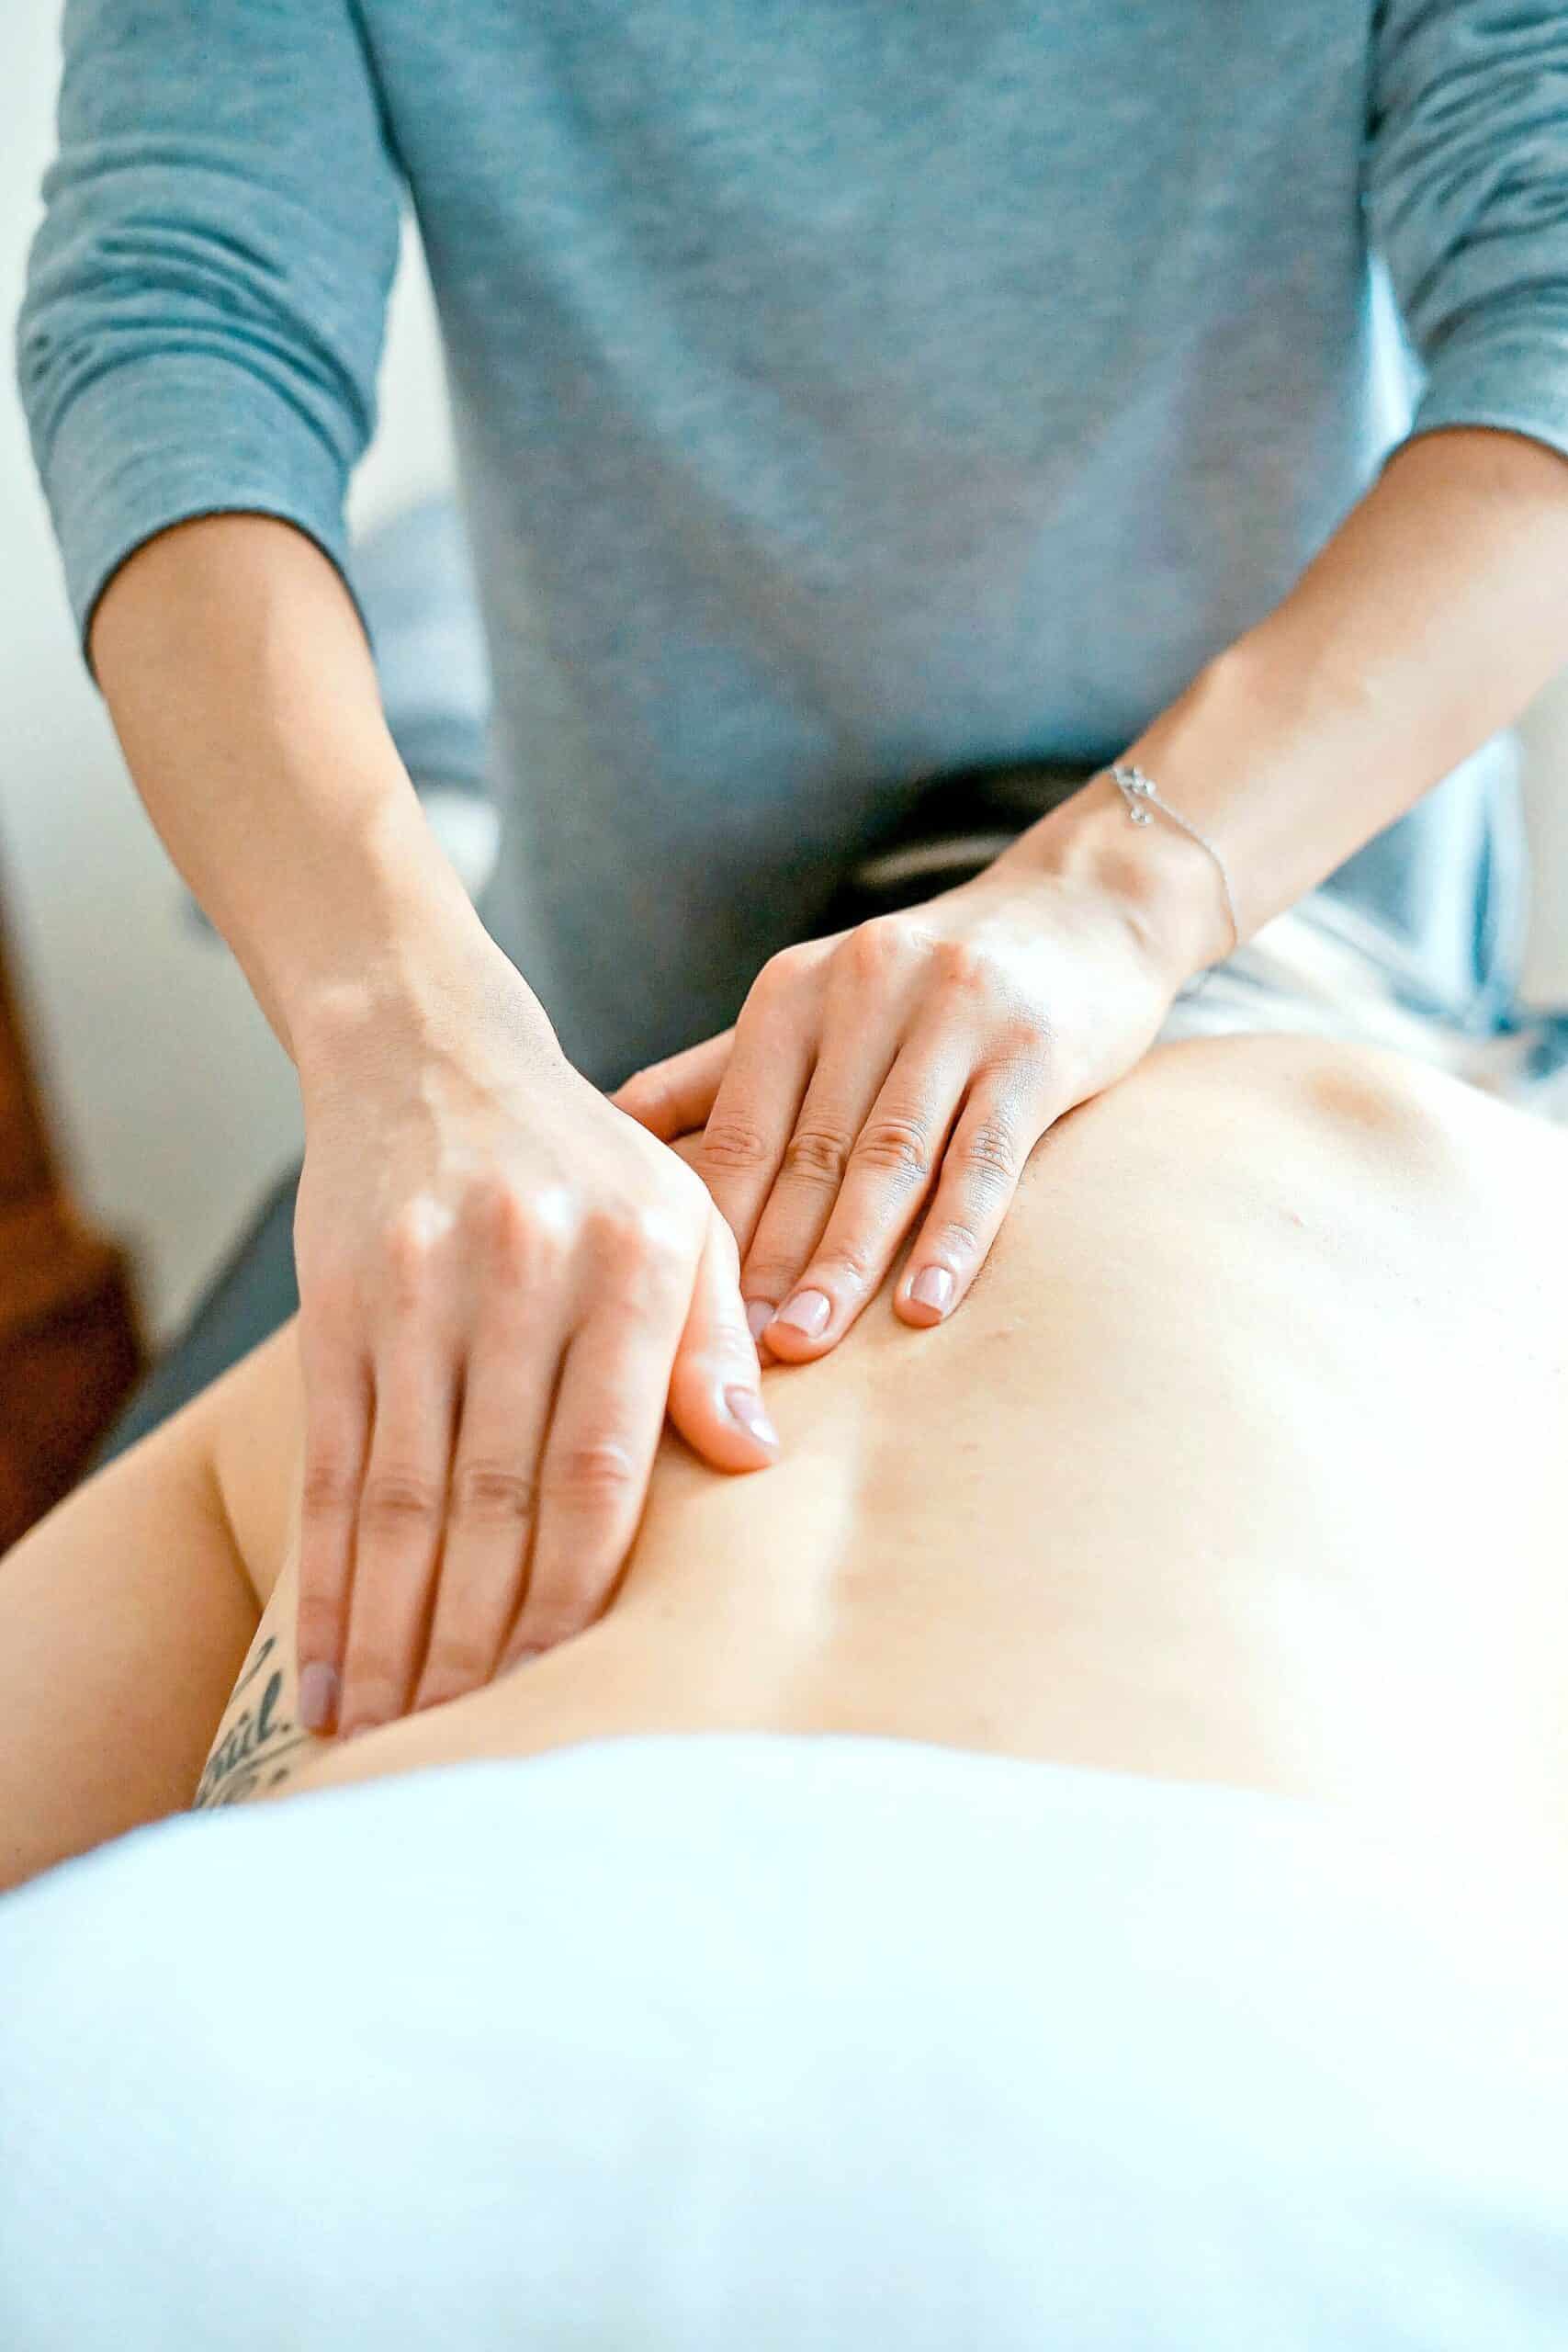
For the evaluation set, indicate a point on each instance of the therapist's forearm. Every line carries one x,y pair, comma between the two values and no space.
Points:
245,700
1428,622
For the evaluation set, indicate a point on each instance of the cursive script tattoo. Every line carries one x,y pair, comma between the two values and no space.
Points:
251,1745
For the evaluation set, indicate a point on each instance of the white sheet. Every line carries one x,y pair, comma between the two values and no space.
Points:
737,2042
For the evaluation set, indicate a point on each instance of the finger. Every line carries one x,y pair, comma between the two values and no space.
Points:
760,1095
604,1430
716,1391
889,1175
337,1379
492,1504
852,1069
1000,1123
398,1533
671,1097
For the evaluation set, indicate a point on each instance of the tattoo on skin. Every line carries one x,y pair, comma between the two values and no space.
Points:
251,1744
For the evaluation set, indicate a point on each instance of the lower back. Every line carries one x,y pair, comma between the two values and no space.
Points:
1239,1464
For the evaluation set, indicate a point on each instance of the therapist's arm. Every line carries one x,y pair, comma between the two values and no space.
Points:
1430,620
243,691
1426,623
910,1074
502,1280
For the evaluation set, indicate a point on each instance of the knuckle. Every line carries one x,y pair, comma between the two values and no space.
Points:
817,1154
875,948
492,1494
613,1236
458,1661
850,1259
782,974
989,1154
1033,1043
731,1141
964,968
397,1497
642,1263
954,1239
1035,1028
634,1232
500,1221
593,1472
866,952
329,1484
900,1144
871,950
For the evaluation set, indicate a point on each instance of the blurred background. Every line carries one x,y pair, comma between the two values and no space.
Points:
171,1107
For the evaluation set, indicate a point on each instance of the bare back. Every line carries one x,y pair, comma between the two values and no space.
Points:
1244,1461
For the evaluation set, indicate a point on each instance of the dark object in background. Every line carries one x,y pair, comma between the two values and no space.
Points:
70,1346
252,1293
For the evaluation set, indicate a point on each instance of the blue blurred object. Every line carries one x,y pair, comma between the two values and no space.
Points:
416,590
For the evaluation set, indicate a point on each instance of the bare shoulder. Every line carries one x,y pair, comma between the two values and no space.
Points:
1367,1097
1378,1135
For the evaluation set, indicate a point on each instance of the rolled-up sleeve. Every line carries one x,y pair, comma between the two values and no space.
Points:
1466,189
206,292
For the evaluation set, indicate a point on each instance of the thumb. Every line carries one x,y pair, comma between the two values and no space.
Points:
716,1391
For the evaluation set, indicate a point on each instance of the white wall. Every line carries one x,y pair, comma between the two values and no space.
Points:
173,1105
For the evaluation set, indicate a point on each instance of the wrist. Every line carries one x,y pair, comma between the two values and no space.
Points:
366,920
409,969
437,1001
1162,885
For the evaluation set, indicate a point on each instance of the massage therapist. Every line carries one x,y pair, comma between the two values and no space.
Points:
844,392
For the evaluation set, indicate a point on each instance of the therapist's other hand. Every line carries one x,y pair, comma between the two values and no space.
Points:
503,1282
902,1071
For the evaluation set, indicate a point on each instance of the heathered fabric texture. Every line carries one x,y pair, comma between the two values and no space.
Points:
845,393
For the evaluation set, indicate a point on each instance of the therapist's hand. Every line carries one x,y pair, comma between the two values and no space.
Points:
503,1281
904,1070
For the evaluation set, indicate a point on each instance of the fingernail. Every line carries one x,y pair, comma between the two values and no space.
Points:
746,1407
318,1697
758,1315
529,1650
932,1286
809,1311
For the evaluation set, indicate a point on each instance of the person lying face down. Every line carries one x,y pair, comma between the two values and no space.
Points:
1245,1465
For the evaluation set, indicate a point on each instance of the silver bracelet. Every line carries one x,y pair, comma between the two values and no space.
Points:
1137,788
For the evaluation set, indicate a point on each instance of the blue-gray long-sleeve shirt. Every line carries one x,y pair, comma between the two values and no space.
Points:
844,390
